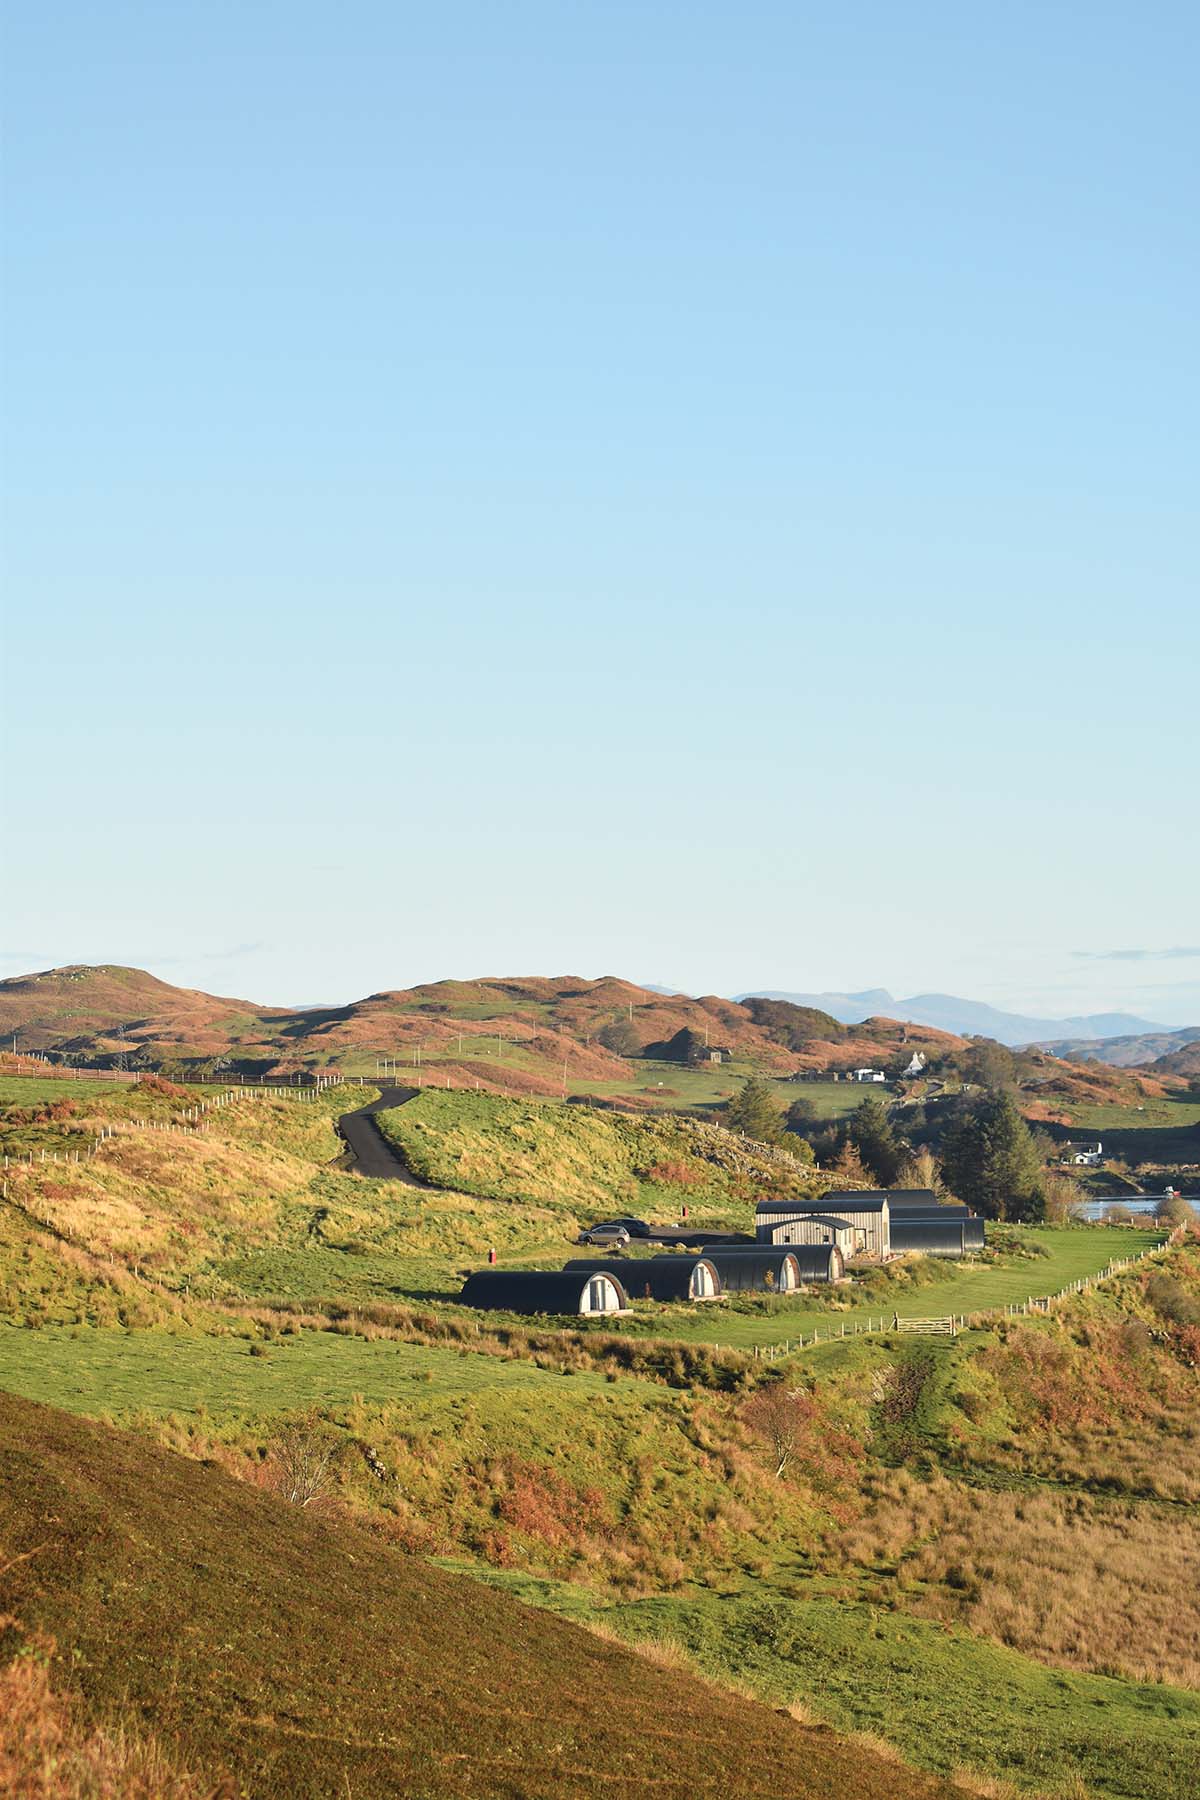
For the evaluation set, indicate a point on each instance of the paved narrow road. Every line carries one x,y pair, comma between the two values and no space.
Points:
373,1155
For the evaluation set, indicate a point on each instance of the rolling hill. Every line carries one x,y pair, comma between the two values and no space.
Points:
304,1656
515,1034
1135,1051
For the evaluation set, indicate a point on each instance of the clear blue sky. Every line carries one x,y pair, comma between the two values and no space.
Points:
700,492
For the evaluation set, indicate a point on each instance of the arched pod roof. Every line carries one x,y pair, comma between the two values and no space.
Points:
656,1277
935,1237
756,1268
814,1262
537,1290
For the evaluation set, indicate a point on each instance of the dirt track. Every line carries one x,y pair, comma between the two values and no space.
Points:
373,1155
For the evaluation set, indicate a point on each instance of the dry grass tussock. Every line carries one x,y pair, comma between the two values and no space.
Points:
981,1786
1109,1587
48,1752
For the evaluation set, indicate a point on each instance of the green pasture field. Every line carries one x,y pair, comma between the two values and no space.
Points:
120,1374
1158,1115
834,1099
673,1087
28,1090
946,1699
670,1084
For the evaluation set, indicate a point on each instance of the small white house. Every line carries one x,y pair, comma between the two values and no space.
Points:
868,1075
1089,1156
915,1066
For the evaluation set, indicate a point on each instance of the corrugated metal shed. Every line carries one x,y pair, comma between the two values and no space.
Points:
933,1237
815,1228
868,1215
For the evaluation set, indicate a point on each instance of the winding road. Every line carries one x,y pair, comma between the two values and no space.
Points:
373,1155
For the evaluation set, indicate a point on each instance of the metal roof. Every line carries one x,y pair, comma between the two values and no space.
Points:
852,1203
814,1262
531,1290
757,1270
650,1277
912,1233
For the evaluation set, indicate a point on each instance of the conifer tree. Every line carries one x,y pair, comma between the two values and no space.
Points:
990,1161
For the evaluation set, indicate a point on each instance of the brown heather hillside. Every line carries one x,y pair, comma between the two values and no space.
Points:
95,1013
304,1657
1185,1062
527,1036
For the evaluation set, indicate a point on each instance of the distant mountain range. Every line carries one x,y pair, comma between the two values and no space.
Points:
1175,1052
967,1018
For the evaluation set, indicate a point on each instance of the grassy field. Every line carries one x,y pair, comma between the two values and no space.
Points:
1150,1114
121,1374
29,1090
673,1087
595,1163
863,1669
833,1099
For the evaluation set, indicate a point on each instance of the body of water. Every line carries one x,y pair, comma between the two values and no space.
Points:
1100,1209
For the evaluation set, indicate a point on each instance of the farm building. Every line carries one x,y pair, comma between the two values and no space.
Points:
868,1216
867,1075
817,1228
911,1207
756,1269
657,1277
814,1262
544,1291
931,1236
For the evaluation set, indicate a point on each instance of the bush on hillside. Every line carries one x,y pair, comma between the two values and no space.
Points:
1174,1211
1172,1301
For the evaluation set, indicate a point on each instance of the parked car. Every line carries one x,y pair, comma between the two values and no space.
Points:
637,1228
611,1233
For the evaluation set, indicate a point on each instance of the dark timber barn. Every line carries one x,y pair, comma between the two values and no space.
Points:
544,1291
814,1262
658,1277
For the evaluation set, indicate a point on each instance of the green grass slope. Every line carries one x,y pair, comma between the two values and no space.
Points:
309,1659
587,1160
